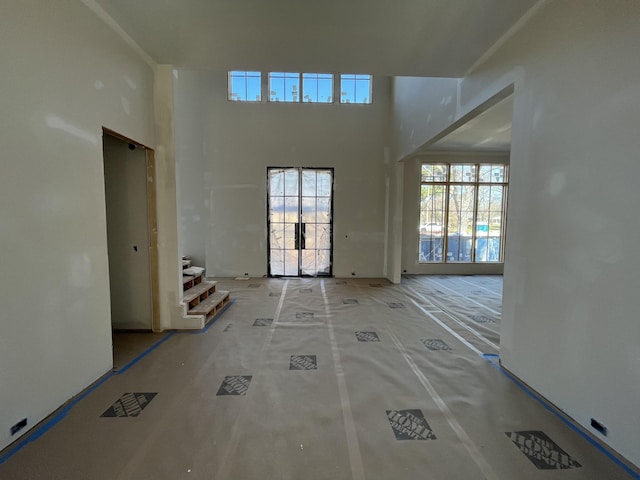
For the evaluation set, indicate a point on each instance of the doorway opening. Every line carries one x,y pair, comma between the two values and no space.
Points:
300,221
130,202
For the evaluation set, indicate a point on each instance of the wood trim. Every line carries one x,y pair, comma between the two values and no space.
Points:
152,214
119,136
152,210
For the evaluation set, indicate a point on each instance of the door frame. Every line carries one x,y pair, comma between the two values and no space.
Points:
152,214
300,169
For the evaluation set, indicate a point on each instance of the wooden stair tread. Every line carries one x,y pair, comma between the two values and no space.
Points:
205,306
187,278
197,290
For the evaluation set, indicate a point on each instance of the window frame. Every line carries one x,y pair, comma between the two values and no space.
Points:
231,75
476,183
285,76
264,82
355,79
317,80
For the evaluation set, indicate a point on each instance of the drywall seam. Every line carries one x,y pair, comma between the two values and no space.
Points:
109,20
506,36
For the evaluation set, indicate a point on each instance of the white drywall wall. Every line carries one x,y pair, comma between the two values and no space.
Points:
422,108
394,223
411,216
243,139
570,324
570,319
125,183
65,74
190,152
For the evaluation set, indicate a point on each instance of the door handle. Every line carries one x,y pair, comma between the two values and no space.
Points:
303,235
296,233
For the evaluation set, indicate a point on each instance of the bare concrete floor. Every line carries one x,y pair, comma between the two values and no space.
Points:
307,379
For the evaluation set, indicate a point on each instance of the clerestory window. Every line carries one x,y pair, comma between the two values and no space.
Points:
245,86
355,88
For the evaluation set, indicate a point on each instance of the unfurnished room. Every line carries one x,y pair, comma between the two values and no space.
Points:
341,240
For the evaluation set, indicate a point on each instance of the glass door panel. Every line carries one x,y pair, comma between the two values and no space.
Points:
309,183
316,218
323,237
284,200
300,206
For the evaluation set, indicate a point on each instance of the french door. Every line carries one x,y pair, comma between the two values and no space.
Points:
300,207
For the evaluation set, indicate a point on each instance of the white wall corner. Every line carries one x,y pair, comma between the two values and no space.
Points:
515,28
169,265
109,20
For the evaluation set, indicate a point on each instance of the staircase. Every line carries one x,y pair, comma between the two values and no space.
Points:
201,300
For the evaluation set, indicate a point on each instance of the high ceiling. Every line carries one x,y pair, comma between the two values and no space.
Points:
382,37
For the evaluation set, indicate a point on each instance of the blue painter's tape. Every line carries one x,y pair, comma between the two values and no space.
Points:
53,421
494,361
120,371
57,417
60,414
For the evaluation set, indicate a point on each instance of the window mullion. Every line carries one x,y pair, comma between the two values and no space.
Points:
505,205
445,240
503,221
474,223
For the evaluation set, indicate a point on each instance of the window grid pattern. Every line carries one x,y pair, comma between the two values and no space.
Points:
284,87
317,87
245,86
462,212
355,88
293,87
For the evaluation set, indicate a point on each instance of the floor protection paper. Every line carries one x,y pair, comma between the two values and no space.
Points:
336,379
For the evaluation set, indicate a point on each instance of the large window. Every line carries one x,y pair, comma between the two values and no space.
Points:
462,212
245,86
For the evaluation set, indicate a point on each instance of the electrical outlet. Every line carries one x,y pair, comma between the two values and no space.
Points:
599,427
18,426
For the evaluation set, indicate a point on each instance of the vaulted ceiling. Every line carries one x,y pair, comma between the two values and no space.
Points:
382,37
